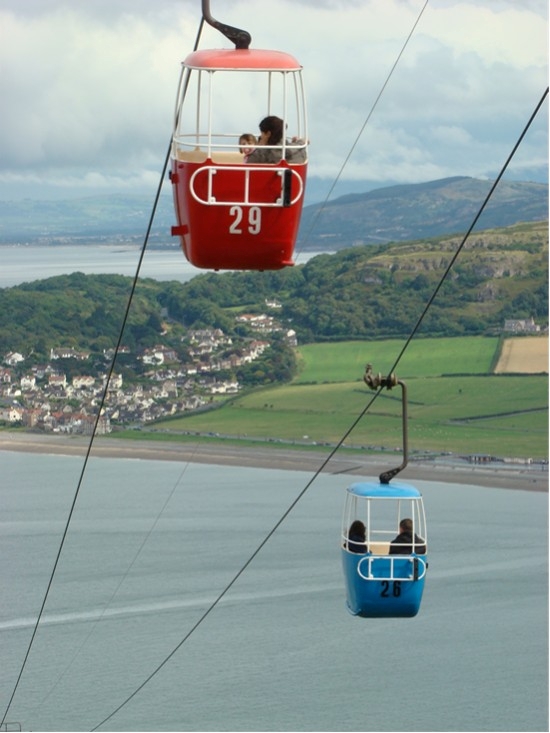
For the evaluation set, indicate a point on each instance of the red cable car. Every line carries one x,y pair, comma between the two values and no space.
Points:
232,213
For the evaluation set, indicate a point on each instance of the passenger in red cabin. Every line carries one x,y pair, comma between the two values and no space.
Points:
247,145
271,133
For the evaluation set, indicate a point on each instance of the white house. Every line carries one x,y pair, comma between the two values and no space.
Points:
521,325
11,414
57,380
5,375
83,382
13,358
68,353
28,382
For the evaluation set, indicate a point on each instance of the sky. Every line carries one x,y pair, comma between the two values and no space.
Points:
88,88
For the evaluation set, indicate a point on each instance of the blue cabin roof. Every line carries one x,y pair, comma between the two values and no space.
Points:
378,490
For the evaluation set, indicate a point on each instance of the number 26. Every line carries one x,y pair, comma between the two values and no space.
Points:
396,588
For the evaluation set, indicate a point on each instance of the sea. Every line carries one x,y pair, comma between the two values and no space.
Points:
26,263
191,597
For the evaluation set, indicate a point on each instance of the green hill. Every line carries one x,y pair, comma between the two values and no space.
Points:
372,292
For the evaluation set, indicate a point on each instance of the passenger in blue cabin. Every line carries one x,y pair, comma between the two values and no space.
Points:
356,538
403,543
271,133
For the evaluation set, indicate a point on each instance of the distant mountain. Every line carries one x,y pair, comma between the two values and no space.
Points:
85,220
392,214
419,211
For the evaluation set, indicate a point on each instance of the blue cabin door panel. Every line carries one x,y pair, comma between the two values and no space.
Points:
380,588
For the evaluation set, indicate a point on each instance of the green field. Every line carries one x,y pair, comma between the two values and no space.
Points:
345,362
471,412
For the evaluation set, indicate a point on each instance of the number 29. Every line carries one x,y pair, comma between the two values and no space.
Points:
253,225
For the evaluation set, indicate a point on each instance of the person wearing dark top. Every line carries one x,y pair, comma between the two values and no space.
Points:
356,538
403,543
272,130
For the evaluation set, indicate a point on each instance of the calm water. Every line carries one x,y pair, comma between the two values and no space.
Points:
20,264
152,544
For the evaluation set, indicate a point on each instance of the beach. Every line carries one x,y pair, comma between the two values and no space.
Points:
522,477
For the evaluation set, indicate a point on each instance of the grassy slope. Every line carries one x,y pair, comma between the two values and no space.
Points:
423,358
477,413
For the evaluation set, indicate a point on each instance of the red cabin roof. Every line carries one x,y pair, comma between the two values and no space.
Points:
246,59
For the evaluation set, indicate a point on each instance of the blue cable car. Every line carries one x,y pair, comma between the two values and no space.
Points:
384,539
379,581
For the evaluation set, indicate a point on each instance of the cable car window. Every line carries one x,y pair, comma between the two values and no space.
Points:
230,103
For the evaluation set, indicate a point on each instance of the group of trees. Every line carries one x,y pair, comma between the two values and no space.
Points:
80,311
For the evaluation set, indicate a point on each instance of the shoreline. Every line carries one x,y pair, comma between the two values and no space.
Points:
506,476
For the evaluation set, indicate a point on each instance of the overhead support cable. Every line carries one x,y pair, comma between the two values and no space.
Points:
470,229
332,452
99,410
365,123
335,449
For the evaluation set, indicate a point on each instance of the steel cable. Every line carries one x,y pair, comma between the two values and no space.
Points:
99,410
338,445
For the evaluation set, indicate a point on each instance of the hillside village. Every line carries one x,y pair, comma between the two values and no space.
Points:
42,397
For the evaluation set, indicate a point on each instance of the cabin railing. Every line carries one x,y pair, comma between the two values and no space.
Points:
417,568
290,192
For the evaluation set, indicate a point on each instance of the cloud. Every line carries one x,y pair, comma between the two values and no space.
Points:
88,89
79,89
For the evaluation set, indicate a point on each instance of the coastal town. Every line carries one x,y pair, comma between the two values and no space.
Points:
44,397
